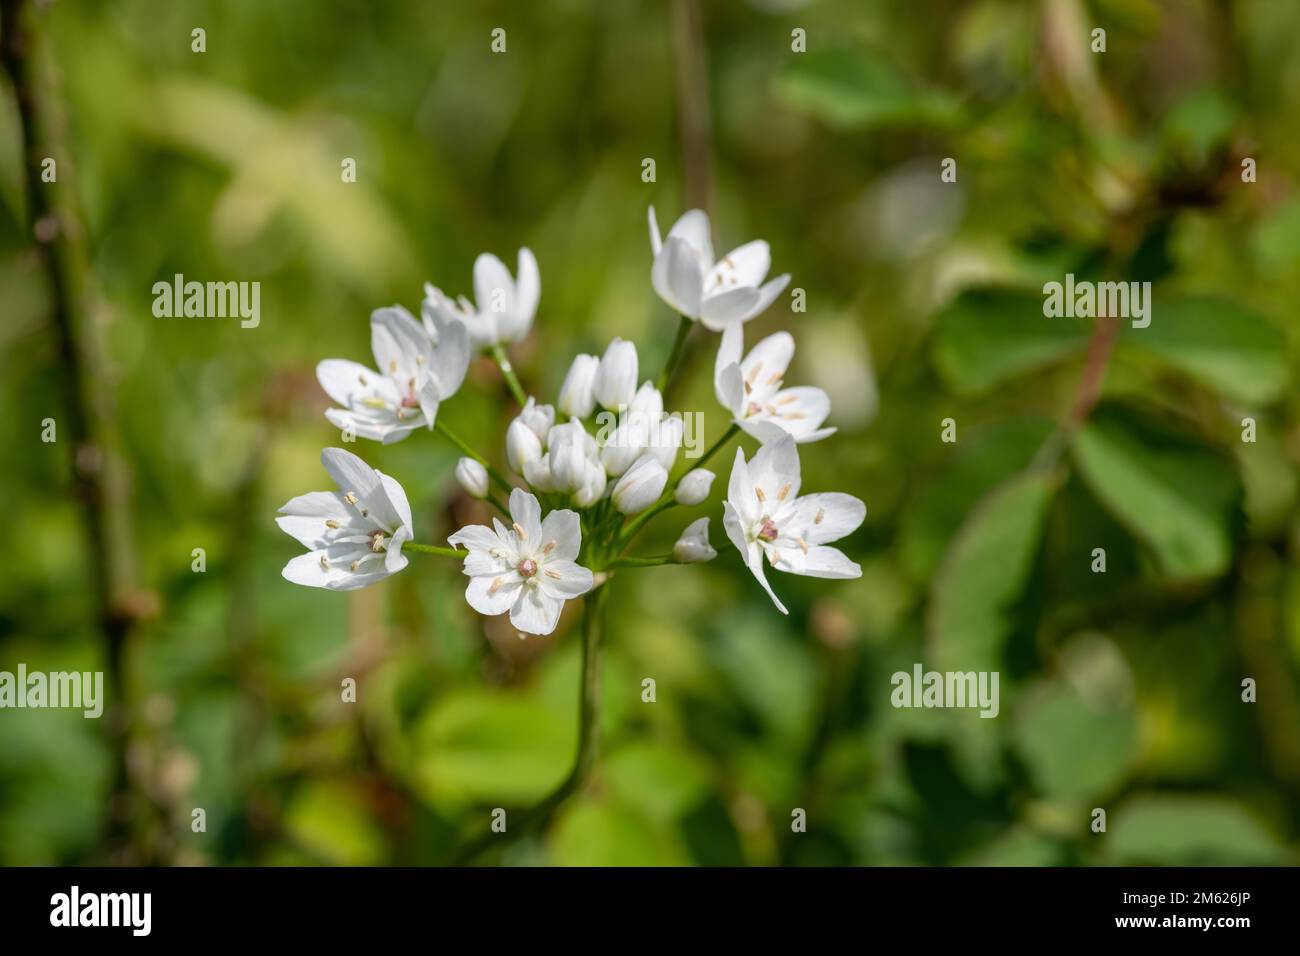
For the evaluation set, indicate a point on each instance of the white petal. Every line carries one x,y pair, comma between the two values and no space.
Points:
535,611
396,496
528,290
494,290
564,527
821,561
744,265
767,295
824,517
451,353
527,513
775,468
493,595
740,493
306,569
677,277
720,309
350,473
394,560
565,580
750,552
345,381
693,227
729,387
397,340
656,243
768,360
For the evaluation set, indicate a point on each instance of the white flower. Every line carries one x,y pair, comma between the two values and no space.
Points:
538,474
640,486
751,390
539,418
355,535
577,394
528,569
764,515
416,373
523,447
686,277
593,485
504,308
473,477
615,383
642,428
570,448
694,487
693,546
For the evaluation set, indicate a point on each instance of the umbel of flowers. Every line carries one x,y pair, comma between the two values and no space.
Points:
586,474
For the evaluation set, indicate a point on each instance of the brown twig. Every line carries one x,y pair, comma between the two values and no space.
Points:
98,474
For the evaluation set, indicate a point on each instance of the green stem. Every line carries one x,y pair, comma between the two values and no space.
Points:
464,447
640,520
729,434
675,356
519,824
434,549
649,562
508,372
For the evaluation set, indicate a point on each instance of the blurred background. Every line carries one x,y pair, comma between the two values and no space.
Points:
1119,690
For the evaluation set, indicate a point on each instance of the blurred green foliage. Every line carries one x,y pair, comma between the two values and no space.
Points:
1119,690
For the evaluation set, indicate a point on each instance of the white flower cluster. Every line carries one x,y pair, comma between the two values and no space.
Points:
602,454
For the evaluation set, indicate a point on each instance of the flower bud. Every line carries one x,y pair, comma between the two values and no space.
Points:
538,474
539,418
473,477
694,486
523,447
693,546
615,383
647,403
640,486
665,439
623,447
593,485
568,450
577,398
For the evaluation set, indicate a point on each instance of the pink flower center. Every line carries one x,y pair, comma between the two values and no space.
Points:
410,401
768,531
527,568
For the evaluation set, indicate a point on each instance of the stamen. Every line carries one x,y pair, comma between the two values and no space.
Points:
331,524
362,379
748,388
787,399
355,565
753,372
495,587
550,546
552,573
324,563
803,545
795,416
350,497
758,493
785,490
775,379
392,365
523,535
377,541
376,403
821,513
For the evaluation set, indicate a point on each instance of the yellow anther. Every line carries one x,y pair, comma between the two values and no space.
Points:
758,493
523,535
785,490
821,513
331,523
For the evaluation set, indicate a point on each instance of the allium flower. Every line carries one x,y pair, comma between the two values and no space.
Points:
419,367
643,428
523,447
693,545
355,535
693,488
751,390
716,293
504,308
527,569
764,515
577,394
539,418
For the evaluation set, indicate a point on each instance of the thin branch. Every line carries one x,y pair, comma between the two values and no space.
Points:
99,475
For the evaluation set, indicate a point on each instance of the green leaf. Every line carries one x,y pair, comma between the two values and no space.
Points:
988,335
1218,343
607,834
1178,498
485,746
982,460
1072,748
1190,831
985,572
660,781
332,820
849,89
